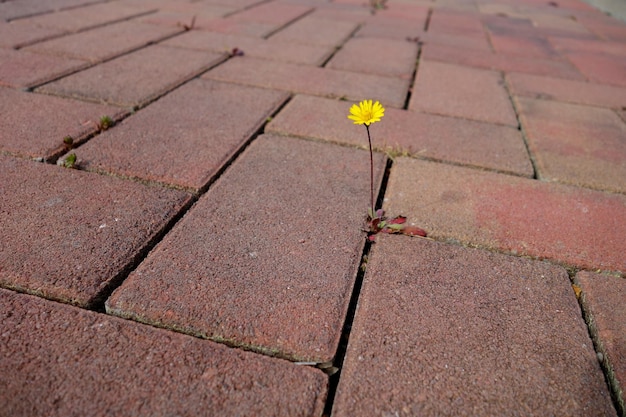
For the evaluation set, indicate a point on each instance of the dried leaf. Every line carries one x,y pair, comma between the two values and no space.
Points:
413,231
577,290
397,220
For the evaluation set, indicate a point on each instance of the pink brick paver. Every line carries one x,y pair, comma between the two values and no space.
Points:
500,62
602,68
316,31
267,258
568,224
35,125
575,144
185,138
10,10
208,251
456,22
446,330
59,361
260,19
86,16
69,235
22,69
254,47
398,30
18,34
452,90
121,38
311,80
603,300
393,58
578,92
272,12
451,139
135,79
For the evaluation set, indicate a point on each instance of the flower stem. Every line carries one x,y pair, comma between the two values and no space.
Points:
369,139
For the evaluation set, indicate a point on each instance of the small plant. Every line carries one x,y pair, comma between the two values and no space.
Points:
68,142
187,27
377,5
366,113
69,161
105,123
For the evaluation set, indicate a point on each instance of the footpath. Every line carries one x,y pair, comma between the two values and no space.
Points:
183,203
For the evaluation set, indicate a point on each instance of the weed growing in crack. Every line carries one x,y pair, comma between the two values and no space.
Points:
366,113
68,142
105,123
69,161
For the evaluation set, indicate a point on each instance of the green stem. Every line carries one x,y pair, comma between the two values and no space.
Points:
369,139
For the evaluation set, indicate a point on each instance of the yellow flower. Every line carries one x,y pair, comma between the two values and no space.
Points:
366,113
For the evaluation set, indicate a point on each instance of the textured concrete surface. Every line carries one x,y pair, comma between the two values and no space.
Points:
418,134
311,80
445,330
121,38
254,47
116,367
575,226
603,300
134,79
228,200
451,90
68,235
267,258
185,138
394,58
22,69
34,125
575,144
576,92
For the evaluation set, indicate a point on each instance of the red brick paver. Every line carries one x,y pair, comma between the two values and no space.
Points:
603,299
35,125
121,38
517,215
310,80
185,138
60,361
134,79
68,235
22,69
10,10
569,91
451,139
601,68
86,16
228,202
316,31
452,90
251,46
514,335
501,62
445,330
576,144
393,58
267,258
17,34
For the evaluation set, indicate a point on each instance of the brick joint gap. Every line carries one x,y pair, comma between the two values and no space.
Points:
338,47
611,381
407,100
286,25
428,16
333,382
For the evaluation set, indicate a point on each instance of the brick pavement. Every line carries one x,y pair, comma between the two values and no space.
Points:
206,255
